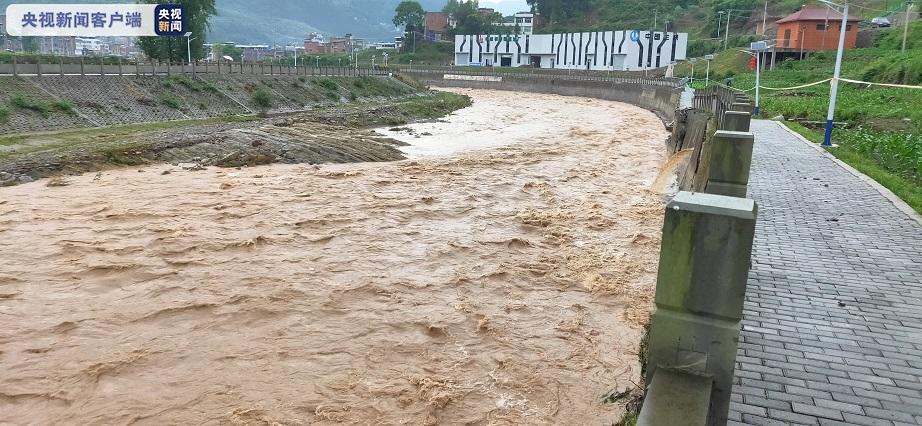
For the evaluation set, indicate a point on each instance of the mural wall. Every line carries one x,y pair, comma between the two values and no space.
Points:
628,50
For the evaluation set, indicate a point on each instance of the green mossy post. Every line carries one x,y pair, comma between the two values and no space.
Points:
731,158
701,285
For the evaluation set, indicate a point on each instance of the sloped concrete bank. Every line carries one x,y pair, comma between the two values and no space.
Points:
59,102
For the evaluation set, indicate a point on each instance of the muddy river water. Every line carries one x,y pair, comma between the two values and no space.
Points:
504,284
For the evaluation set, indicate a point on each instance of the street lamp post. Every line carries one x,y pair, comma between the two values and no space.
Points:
189,39
707,74
720,18
834,84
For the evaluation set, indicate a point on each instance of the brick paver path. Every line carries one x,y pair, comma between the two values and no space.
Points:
832,330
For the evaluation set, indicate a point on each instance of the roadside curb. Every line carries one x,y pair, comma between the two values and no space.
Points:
889,195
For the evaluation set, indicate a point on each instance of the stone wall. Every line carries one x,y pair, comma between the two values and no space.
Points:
661,99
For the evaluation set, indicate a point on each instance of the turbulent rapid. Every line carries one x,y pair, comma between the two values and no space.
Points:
503,284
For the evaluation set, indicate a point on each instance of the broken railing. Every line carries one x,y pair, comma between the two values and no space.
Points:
703,271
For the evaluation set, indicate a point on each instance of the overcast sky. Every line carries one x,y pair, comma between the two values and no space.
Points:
506,7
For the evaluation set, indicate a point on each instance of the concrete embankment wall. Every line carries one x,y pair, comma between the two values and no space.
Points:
663,100
57,102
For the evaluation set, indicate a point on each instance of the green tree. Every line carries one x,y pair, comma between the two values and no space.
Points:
228,49
30,44
262,99
198,13
471,20
410,15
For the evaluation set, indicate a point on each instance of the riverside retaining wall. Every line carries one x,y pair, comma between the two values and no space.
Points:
661,99
57,102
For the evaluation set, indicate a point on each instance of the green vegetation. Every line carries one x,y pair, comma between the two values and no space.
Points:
4,114
197,12
326,83
169,100
881,127
42,107
700,18
262,99
101,136
196,85
65,106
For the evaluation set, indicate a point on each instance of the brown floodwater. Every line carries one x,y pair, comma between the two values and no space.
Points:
504,285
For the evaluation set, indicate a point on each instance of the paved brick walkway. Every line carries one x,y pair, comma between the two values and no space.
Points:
832,331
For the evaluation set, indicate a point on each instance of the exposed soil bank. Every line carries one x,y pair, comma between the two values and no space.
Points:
507,285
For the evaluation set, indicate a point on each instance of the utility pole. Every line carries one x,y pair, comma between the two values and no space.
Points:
720,18
834,84
764,16
906,24
727,32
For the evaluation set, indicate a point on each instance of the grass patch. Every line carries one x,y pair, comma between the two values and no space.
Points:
193,85
327,83
909,189
27,103
65,106
169,100
39,141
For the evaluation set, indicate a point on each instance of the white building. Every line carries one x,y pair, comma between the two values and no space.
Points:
604,50
525,21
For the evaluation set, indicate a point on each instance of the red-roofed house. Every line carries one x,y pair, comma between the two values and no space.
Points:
437,24
815,28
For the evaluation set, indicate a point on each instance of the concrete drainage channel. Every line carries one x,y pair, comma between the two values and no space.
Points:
707,236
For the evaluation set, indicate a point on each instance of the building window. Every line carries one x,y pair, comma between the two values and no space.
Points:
527,20
787,38
848,28
821,27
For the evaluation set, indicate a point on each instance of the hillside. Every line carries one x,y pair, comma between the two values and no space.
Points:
698,18
285,21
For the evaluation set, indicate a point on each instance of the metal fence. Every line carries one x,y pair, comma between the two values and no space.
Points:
718,100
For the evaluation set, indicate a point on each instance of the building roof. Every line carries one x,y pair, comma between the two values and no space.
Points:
437,22
816,13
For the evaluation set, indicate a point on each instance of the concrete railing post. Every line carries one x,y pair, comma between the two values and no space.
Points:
730,160
736,121
61,65
700,288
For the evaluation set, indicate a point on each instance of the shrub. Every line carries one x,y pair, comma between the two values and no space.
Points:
65,106
169,100
327,83
4,114
262,99
25,102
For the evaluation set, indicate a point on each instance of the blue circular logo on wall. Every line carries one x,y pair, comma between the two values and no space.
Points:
635,35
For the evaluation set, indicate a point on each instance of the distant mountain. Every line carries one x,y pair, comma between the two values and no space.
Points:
288,21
